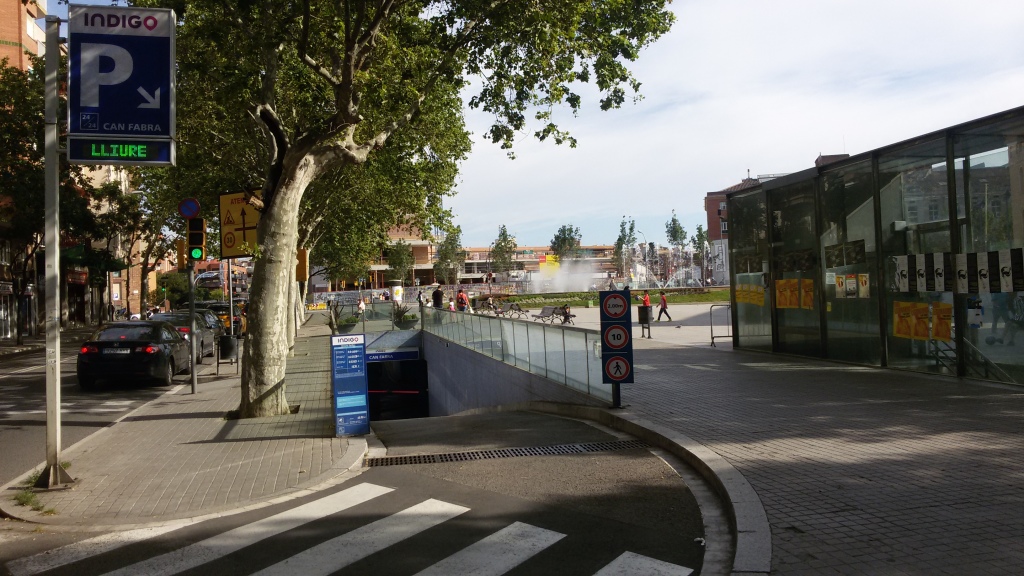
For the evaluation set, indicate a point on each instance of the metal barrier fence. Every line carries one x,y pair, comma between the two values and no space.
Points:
567,355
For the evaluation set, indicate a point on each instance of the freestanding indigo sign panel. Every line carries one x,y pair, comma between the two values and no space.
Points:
348,380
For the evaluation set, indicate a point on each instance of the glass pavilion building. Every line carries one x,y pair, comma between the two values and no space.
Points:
908,256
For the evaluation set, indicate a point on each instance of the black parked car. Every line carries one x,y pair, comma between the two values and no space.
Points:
206,339
132,349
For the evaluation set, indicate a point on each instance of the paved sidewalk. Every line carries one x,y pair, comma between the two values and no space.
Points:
179,457
860,470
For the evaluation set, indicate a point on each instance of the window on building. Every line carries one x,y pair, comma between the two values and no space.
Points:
933,210
721,205
725,227
912,211
5,252
995,206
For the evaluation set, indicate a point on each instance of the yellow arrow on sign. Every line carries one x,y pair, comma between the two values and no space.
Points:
238,221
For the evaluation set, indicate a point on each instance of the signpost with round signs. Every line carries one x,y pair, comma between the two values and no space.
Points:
616,341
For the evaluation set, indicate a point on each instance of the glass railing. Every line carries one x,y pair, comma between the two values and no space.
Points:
378,316
565,354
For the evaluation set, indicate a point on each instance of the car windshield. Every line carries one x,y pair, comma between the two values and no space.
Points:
121,332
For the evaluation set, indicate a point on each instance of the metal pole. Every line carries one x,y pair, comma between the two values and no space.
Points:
231,302
53,475
192,324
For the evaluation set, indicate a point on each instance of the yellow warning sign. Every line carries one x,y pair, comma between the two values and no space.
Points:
238,220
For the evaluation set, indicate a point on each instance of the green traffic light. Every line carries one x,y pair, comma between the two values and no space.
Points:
195,253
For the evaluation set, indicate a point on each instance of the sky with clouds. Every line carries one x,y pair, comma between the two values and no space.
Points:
739,85
743,85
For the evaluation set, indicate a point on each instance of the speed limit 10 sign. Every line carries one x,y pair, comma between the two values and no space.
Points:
615,337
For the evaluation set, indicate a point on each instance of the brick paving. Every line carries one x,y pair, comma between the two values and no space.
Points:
179,456
860,471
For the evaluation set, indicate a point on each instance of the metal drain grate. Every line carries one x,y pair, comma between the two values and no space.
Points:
557,450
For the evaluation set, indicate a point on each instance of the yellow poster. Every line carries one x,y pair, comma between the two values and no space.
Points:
902,320
840,286
758,295
942,326
781,295
786,293
742,294
920,312
807,294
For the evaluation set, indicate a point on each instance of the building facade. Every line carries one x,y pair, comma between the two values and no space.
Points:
910,256
20,31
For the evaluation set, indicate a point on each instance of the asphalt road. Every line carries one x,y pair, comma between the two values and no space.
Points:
621,511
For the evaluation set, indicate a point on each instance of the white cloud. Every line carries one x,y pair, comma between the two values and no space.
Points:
748,84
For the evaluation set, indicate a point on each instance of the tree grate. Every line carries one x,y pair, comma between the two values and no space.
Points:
558,450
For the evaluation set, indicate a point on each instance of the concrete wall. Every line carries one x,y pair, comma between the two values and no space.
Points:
460,379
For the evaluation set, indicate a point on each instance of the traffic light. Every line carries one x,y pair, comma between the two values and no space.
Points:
179,244
197,239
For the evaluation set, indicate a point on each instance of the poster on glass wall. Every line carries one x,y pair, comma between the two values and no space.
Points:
962,283
901,277
807,294
851,285
901,320
921,325
863,286
942,326
840,281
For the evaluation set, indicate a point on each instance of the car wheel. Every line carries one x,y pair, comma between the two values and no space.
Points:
200,352
168,378
86,382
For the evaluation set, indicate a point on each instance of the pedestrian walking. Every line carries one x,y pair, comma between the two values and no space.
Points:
438,297
646,299
462,301
451,304
663,307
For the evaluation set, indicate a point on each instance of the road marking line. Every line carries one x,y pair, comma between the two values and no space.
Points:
497,553
630,564
84,549
335,554
223,544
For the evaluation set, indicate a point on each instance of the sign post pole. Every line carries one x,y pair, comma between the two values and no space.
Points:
616,341
192,323
53,475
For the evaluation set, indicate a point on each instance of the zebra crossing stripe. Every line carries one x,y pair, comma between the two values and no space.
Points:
233,540
335,554
497,553
84,549
630,564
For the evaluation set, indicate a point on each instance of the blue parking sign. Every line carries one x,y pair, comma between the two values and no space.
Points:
121,86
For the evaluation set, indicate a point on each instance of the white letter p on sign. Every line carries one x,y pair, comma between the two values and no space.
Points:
92,78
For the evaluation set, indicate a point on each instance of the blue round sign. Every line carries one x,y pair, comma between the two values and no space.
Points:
189,208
